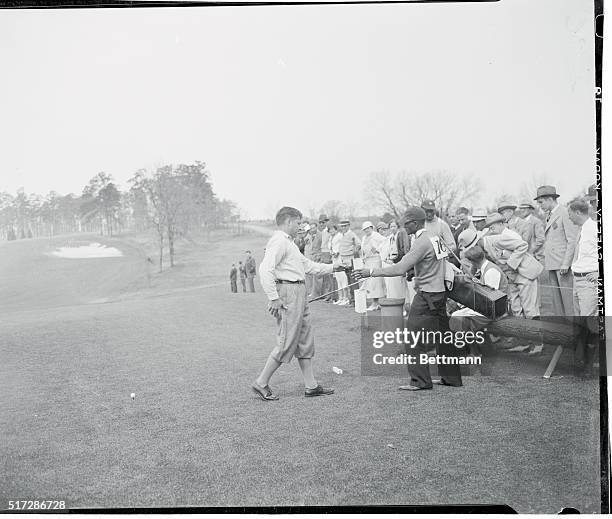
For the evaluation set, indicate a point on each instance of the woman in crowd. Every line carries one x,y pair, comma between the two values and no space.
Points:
396,286
371,244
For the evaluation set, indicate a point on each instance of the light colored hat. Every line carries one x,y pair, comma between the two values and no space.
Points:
506,205
527,204
479,214
381,225
345,221
366,224
467,238
494,218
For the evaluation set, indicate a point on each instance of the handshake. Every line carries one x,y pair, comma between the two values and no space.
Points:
343,268
350,272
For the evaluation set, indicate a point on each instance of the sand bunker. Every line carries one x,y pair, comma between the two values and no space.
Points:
93,250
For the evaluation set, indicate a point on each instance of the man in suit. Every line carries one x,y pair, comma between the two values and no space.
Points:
251,269
532,229
454,224
233,276
559,243
509,251
513,222
242,272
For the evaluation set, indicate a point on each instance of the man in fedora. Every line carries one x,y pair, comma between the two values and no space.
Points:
436,226
533,229
559,244
510,252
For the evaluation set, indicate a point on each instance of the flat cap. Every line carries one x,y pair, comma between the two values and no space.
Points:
428,204
414,213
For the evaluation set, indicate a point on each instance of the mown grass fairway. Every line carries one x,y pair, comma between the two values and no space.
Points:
196,436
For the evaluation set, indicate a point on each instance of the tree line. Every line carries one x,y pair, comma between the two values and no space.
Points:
171,200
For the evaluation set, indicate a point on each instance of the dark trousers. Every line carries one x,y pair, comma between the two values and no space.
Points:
233,286
428,312
251,283
243,283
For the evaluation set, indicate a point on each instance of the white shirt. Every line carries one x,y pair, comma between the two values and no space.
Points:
283,260
325,240
586,255
492,277
334,243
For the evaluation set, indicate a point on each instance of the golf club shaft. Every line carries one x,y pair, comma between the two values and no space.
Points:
333,291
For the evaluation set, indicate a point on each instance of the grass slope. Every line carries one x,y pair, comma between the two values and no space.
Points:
195,436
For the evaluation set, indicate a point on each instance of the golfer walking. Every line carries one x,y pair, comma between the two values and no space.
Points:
282,275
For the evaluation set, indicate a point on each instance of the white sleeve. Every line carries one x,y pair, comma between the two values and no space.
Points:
273,256
492,278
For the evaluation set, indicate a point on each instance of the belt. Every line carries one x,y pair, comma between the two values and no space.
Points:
287,282
582,274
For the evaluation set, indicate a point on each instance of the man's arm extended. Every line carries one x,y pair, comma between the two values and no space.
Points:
415,255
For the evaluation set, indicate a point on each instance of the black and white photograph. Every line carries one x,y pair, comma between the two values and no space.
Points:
277,257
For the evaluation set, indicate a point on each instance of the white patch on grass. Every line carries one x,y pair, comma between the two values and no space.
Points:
93,250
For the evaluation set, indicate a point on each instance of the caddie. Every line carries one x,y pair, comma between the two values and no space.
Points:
427,256
282,275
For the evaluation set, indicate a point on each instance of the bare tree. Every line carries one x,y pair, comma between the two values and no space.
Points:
382,191
334,209
529,188
395,194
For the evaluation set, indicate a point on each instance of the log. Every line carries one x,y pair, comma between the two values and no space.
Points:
538,331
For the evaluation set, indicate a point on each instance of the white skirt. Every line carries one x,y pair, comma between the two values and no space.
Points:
375,287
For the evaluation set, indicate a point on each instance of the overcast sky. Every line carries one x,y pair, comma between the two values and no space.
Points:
298,105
